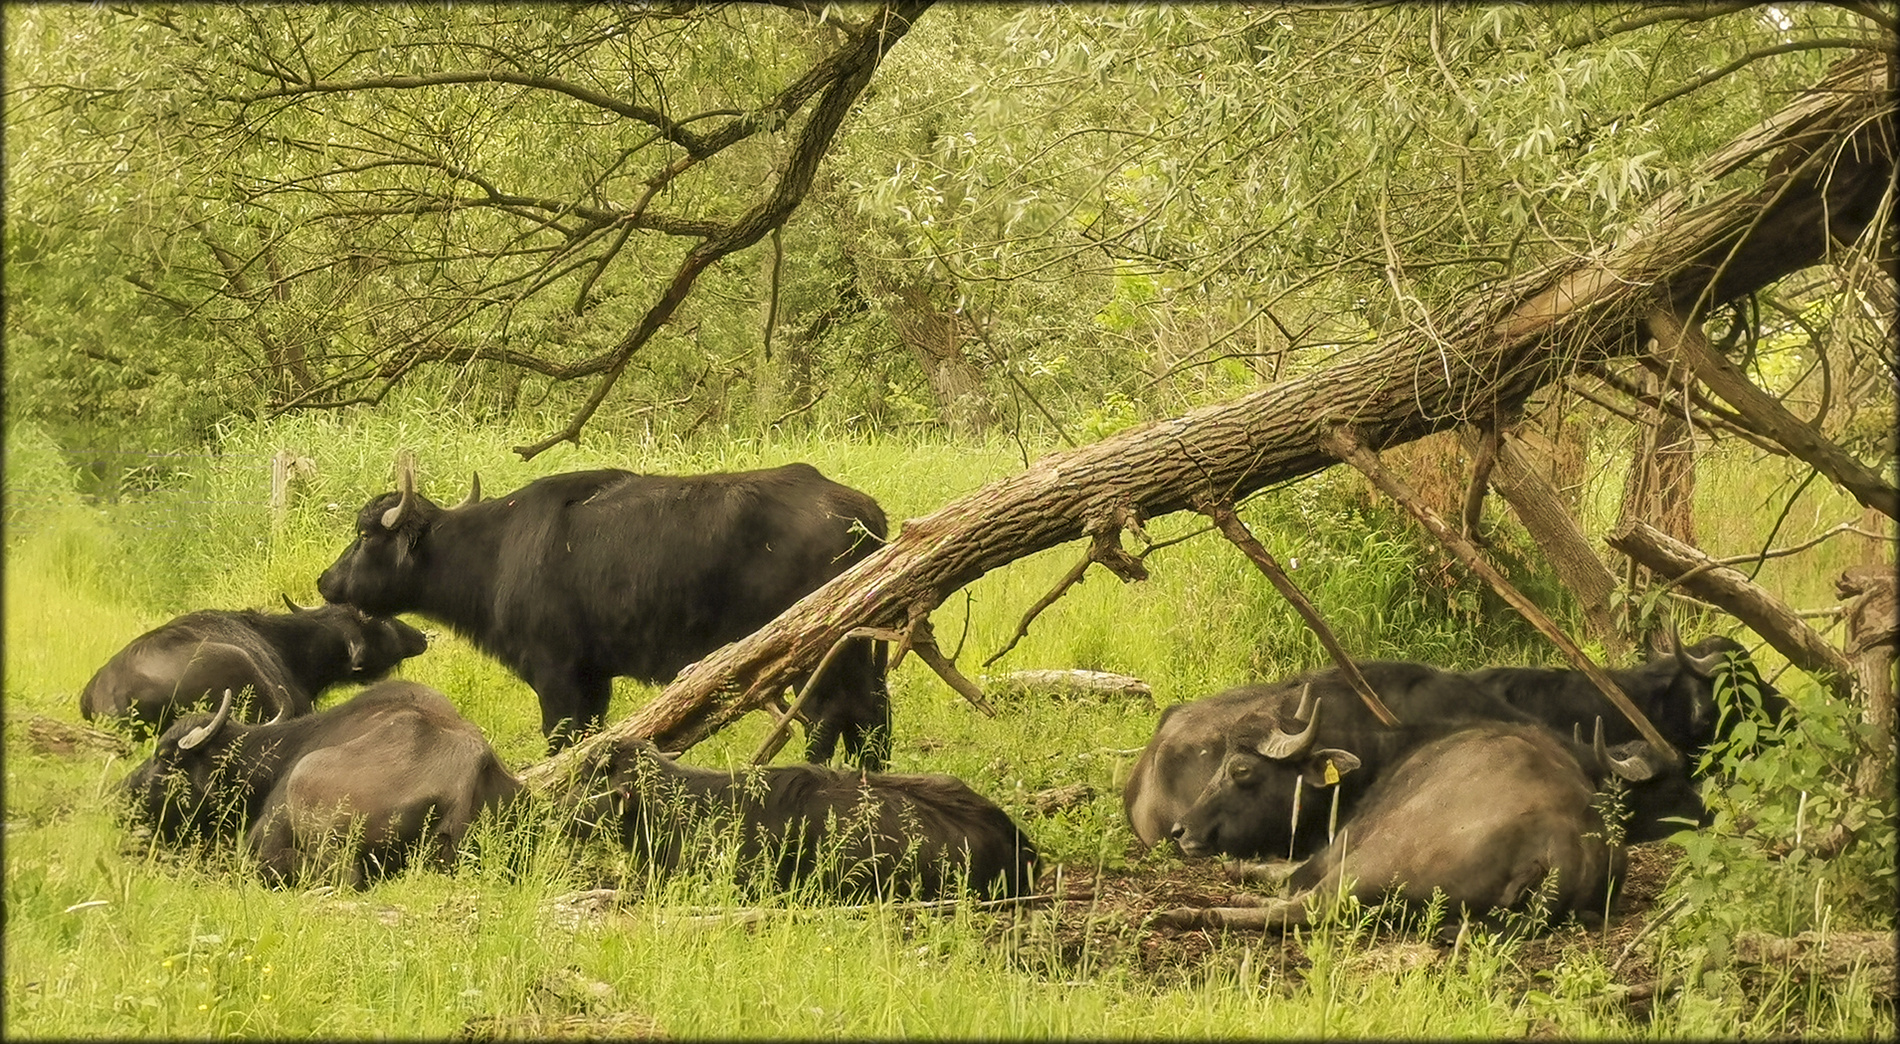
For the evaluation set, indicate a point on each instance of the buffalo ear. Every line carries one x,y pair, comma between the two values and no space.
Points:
1325,766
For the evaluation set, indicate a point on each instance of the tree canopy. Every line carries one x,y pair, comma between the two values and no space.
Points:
1058,220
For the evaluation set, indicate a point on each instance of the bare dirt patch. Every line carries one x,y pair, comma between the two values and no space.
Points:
1102,920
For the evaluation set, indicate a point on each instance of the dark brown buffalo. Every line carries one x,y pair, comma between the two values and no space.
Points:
1485,814
1675,690
576,579
361,785
285,661
848,834
1252,722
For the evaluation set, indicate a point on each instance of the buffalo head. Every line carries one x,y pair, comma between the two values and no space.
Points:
378,571
175,791
1252,804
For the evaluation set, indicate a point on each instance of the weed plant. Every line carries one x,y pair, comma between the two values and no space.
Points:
110,935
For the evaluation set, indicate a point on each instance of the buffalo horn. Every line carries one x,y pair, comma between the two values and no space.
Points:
1280,744
474,490
406,482
1700,666
1305,711
1635,768
282,699
206,731
292,606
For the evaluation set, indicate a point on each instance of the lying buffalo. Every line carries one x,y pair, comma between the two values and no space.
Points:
286,661
1675,690
1485,814
848,834
1193,740
361,784
576,579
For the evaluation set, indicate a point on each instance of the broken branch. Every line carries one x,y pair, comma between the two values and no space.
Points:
1709,580
1341,443
1237,532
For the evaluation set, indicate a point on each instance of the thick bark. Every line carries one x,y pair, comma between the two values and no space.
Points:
930,332
1545,516
1872,634
1738,596
1507,345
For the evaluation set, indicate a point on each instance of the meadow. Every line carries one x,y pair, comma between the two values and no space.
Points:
108,936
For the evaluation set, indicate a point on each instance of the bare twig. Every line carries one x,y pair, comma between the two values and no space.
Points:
1236,531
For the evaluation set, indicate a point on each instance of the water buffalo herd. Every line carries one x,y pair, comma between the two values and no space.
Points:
1488,792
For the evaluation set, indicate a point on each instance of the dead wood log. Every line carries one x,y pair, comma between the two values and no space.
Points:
1237,532
1828,955
1344,445
1720,585
1767,414
1072,684
1489,356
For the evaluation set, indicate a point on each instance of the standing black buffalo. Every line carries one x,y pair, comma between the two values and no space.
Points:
850,834
285,660
365,782
1675,691
1484,814
575,579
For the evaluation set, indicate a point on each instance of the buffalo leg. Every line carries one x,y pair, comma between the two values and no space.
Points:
570,706
853,703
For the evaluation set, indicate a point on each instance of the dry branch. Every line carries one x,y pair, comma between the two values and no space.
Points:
1510,343
1236,531
1720,585
1345,446
1766,414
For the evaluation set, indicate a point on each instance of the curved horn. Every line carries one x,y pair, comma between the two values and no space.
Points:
1700,666
282,699
292,606
1307,703
1634,768
406,482
474,490
1280,744
206,731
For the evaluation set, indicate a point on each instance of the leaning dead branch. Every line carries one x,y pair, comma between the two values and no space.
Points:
1709,580
1768,415
1242,538
1347,447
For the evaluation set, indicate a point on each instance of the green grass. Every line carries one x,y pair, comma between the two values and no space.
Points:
106,937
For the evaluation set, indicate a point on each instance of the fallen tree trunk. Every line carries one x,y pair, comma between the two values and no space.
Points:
1487,359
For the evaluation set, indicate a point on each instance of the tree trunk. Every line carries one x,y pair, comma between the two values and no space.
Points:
1659,487
930,332
1547,518
1523,335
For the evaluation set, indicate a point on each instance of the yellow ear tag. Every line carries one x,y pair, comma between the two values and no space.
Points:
1332,773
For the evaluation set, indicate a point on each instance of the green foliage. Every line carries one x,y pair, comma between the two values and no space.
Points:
1780,790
